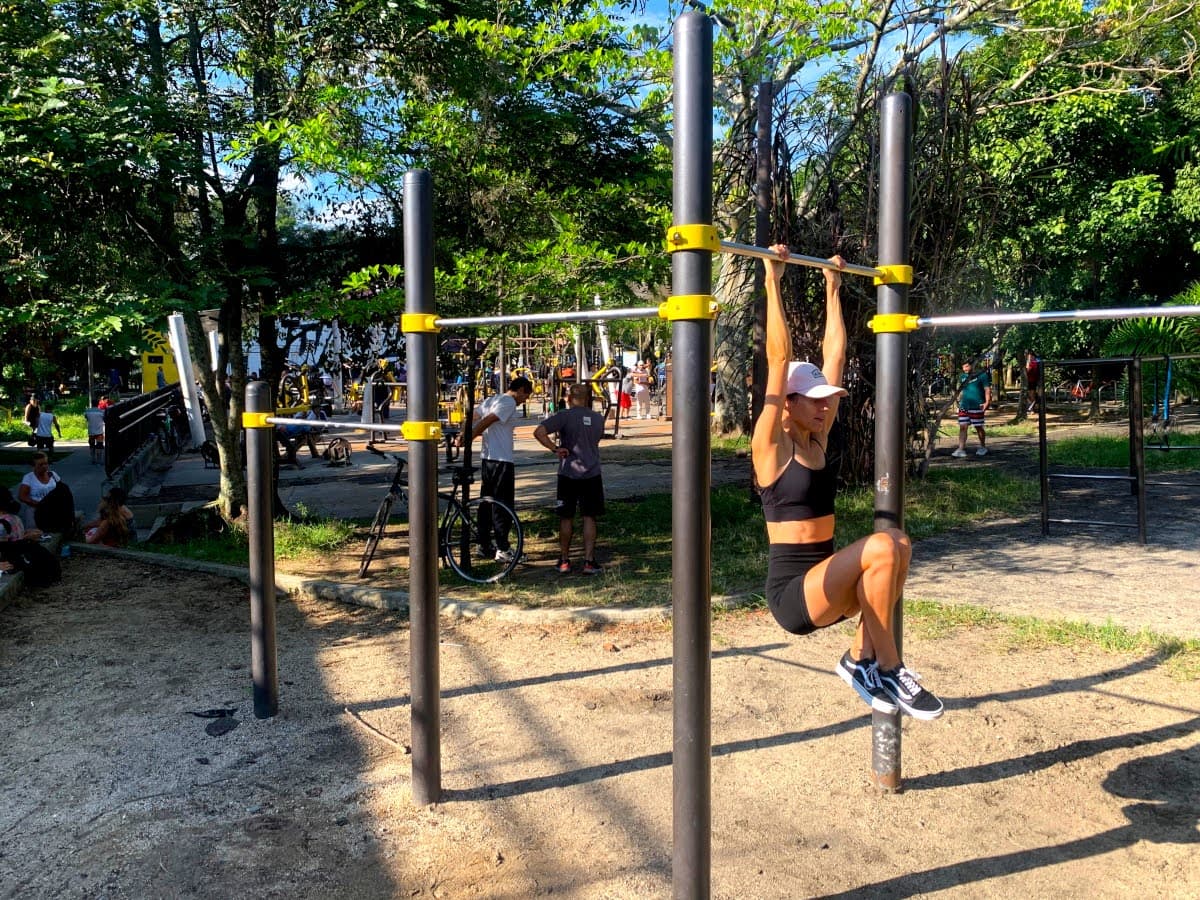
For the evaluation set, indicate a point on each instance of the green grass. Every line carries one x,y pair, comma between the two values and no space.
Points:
928,620
70,419
1113,453
636,536
293,540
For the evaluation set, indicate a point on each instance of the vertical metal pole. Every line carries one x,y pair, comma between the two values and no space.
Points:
1043,455
764,205
424,673
260,453
691,554
1137,444
891,351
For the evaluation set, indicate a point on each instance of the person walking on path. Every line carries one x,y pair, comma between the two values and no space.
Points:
974,398
809,585
1033,377
579,429
46,426
95,429
495,420
33,412
641,389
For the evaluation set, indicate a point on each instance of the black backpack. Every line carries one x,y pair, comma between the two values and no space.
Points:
56,512
41,567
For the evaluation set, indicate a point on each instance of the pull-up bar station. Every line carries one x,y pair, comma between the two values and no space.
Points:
691,309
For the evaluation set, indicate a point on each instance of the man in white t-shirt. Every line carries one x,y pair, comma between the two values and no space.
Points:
495,419
95,429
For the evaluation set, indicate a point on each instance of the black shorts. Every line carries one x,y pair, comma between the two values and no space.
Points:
96,441
787,564
586,493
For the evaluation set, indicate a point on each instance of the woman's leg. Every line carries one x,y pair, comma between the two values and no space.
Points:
866,577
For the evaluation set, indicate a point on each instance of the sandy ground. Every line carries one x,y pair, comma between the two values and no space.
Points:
1066,772
1055,772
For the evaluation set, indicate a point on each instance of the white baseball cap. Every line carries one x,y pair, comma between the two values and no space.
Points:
806,379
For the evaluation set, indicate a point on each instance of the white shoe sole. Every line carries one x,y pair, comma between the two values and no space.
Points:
875,703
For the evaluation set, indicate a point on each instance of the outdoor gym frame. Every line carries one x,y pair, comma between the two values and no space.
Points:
691,309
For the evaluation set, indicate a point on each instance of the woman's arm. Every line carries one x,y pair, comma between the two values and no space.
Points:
766,443
833,345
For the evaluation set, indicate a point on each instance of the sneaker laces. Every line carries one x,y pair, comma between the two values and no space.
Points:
910,680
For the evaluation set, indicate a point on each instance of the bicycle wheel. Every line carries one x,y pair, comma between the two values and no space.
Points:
460,542
375,535
166,443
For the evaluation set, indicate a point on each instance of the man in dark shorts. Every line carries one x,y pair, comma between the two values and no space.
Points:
578,429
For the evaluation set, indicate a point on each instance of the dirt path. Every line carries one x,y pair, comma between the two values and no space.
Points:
1055,772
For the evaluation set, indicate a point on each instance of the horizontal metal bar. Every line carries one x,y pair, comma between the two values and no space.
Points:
551,318
1186,484
1092,477
322,424
796,259
1118,359
1091,522
1066,315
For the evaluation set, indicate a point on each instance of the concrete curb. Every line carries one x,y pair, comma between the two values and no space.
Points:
397,601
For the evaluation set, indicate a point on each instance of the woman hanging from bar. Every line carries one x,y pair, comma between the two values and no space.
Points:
809,586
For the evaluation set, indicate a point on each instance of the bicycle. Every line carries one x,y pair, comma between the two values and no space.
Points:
458,529
171,425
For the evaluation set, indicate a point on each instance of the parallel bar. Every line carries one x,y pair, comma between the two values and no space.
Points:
1071,315
552,318
691,475
322,424
260,512
1120,359
1092,477
1137,440
795,259
1095,522
424,661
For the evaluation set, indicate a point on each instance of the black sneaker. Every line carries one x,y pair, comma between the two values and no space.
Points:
904,687
863,676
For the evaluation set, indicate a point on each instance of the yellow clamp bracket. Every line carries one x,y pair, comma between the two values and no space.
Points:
688,306
256,420
892,323
693,237
421,431
894,275
419,323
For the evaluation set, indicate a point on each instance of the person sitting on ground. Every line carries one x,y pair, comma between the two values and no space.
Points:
120,498
110,527
290,437
809,584
40,507
11,526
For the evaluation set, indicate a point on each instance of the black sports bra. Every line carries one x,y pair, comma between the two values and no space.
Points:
800,493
